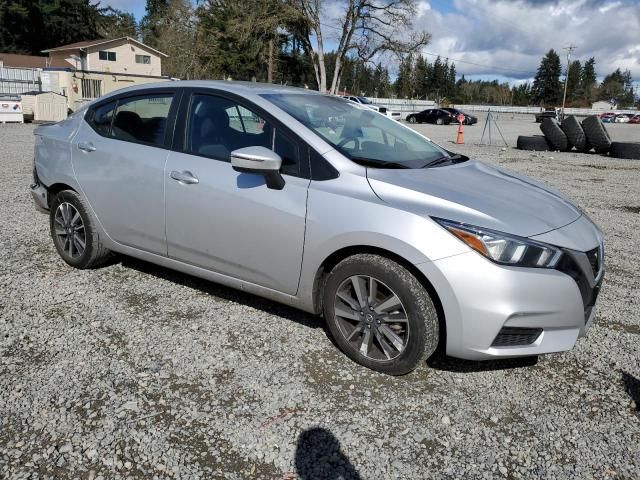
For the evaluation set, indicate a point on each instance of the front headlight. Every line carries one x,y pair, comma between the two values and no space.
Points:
503,248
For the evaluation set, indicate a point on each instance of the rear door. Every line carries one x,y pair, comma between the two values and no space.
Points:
230,222
119,156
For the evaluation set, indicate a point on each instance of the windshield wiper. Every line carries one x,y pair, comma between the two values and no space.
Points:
456,158
372,162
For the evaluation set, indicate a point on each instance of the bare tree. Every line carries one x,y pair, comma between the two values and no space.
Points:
366,27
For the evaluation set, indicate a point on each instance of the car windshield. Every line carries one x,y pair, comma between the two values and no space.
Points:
359,133
364,100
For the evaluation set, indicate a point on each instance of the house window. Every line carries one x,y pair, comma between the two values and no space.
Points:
144,59
91,88
108,56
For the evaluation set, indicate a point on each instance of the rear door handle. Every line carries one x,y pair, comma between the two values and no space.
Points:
86,146
185,177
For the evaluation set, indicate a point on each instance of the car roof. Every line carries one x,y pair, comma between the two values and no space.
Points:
241,88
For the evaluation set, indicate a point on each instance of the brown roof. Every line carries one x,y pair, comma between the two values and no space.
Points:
16,60
100,41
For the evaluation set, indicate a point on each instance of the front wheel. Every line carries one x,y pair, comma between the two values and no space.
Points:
73,231
439,121
412,119
379,314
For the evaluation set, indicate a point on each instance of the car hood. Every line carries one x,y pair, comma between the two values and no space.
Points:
478,194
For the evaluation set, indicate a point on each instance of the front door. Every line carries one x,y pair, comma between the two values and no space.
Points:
119,156
230,222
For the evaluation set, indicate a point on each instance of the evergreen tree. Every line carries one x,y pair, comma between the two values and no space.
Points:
115,23
573,80
30,26
547,88
588,80
420,77
618,87
402,85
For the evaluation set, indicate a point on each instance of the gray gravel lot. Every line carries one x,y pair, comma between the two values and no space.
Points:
134,371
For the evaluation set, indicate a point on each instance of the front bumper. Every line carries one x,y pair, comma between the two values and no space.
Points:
494,311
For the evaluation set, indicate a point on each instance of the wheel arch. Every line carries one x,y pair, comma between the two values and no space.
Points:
336,257
56,188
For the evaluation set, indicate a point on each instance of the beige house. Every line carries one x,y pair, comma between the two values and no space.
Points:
86,70
124,55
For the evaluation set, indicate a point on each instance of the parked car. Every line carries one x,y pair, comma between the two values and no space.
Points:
398,242
378,108
608,118
549,112
468,119
635,119
622,118
432,115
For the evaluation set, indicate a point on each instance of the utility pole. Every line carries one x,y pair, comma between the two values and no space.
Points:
569,50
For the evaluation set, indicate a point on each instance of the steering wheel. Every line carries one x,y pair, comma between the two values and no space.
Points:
346,140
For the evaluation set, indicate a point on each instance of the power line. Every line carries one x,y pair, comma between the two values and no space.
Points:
456,60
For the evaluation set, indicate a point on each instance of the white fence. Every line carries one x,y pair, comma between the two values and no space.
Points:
580,112
405,107
19,80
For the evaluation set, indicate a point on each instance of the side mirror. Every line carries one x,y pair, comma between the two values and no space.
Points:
261,161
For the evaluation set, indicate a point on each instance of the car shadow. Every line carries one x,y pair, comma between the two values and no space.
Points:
223,292
319,455
457,365
632,387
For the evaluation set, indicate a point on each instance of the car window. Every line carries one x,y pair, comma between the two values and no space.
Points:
142,119
102,117
288,151
357,132
217,126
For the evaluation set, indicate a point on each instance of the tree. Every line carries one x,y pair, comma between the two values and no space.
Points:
573,79
30,26
367,28
588,80
547,88
420,77
150,23
403,85
618,87
114,23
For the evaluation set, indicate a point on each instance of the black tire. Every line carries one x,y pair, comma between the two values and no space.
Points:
556,137
626,150
439,121
536,143
422,329
94,253
597,134
411,119
575,134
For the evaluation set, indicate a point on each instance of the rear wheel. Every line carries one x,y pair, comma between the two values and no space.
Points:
379,314
439,121
73,232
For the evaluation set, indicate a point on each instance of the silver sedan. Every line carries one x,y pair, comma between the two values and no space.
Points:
327,206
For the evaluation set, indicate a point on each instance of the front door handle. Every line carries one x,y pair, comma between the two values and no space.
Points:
185,177
86,146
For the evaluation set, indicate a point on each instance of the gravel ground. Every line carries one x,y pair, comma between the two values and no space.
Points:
134,371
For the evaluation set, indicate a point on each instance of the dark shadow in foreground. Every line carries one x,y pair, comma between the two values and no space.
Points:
632,387
225,293
450,364
319,455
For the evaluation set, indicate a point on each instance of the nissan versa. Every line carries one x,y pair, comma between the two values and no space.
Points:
326,206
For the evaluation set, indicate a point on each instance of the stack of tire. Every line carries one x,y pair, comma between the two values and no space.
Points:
570,134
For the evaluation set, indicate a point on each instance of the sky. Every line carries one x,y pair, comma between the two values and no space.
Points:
506,39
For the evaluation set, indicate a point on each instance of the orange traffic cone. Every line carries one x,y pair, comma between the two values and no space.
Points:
460,139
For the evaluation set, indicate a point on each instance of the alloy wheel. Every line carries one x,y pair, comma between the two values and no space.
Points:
371,318
69,229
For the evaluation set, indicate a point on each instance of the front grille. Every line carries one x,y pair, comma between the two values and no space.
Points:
516,336
594,260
